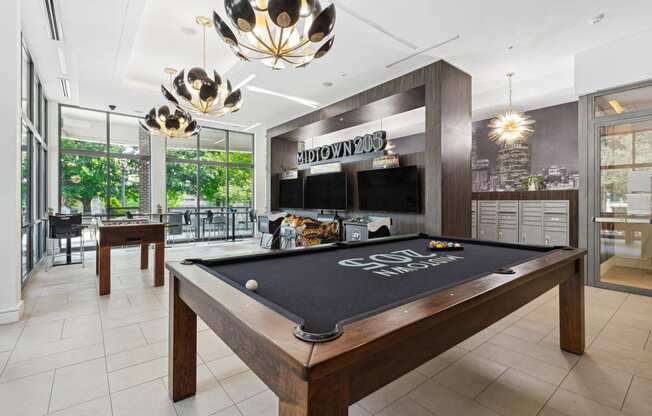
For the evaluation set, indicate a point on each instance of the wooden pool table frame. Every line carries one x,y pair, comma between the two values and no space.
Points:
325,378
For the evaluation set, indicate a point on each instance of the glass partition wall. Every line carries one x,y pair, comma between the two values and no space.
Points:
619,179
33,158
210,181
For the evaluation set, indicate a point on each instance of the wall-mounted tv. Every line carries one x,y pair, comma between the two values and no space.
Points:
326,191
389,190
291,193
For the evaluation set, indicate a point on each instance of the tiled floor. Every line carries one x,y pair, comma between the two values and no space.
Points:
78,354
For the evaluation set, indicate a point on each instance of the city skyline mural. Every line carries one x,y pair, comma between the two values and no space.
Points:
550,154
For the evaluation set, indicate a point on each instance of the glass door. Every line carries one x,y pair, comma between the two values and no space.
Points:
624,223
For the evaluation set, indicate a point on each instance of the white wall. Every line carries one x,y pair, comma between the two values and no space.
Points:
53,155
157,173
10,283
625,61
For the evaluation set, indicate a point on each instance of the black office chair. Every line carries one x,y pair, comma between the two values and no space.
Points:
188,225
65,227
250,219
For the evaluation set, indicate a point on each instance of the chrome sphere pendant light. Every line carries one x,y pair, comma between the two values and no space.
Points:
162,121
278,33
195,91
511,127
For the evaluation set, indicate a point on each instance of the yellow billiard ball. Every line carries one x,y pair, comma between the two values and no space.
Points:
251,284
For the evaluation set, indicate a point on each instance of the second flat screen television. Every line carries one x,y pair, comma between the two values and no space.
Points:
326,191
389,190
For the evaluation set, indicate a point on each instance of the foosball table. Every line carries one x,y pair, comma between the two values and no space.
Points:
124,232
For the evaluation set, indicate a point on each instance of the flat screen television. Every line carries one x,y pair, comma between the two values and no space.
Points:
325,191
389,190
291,193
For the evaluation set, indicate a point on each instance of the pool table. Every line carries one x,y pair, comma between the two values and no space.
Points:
123,232
331,324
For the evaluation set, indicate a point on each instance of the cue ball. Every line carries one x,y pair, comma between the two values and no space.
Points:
251,284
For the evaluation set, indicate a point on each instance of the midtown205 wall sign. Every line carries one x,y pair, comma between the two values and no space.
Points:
369,143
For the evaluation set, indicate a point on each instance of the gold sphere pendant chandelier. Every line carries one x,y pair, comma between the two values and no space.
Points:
195,91
163,121
511,127
278,33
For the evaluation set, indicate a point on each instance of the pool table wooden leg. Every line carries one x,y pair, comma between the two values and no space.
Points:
328,396
144,256
182,346
104,257
159,263
97,259
571,311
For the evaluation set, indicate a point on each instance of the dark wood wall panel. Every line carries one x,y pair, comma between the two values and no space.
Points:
283,156
445,91
570,195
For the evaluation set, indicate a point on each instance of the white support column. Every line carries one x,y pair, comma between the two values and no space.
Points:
261,171
11,305
158,172
53,156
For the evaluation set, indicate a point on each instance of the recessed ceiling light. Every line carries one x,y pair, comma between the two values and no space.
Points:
343,74
510,47
596,19
253,126
299,100
327,84
244,82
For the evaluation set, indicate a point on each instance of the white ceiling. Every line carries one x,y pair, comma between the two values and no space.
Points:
116,50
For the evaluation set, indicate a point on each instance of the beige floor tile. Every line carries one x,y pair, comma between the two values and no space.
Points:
123,338
391,392
136,356
243,386
210,396
443,401
210,347
149,399
42,350
639,398
87,326
405,407
634,319
226,367
529,331
27,396
231,411
551,341
551,355
571,404
624,335
453,354
133,316
9,335
263,404
357,410
97,407
632,361
528,365
516,394
155,331
79,383
478,339
40,333
51,362
137,374
470,375
597,382
433,367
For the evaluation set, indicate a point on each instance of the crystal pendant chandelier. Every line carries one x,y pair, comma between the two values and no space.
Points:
174,124
195,91
278,33
511,127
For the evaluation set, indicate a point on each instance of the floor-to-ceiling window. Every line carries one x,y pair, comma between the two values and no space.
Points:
104,163
210,179
33,166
